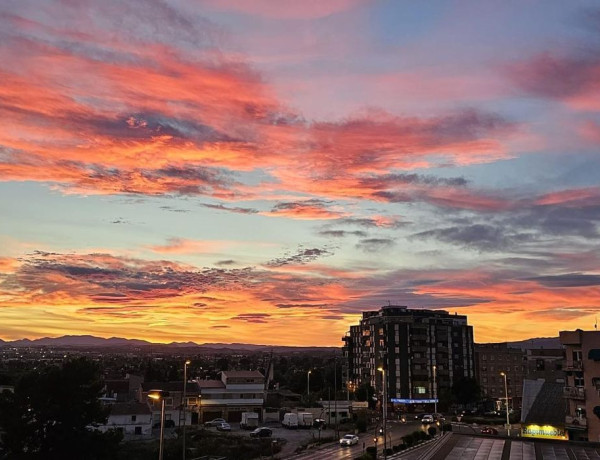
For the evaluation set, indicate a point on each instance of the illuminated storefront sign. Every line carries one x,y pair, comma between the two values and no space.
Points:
544,432
414,401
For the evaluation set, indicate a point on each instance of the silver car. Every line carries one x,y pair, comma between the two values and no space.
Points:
349,440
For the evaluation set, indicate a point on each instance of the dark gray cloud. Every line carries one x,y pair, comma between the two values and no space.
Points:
223,263
234,209
302,256
567,280
342,233
394,180
375,244
370,222
300,305
252,317
478,236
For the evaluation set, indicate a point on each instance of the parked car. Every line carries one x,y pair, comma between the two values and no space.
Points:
349,440
489,430
320,423
215,422
427,418
439,417
168,424
261,432
224,427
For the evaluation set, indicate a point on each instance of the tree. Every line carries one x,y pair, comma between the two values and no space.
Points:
365,392
466,390
50,414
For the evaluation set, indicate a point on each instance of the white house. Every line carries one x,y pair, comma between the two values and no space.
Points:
132,419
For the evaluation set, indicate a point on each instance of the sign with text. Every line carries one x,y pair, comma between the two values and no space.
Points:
413,401
544,432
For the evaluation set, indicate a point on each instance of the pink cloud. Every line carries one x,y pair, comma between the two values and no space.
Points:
184,246
285,9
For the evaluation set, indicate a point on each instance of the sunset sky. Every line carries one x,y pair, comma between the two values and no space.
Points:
263,171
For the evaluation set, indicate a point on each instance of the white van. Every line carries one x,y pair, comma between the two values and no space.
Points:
290,420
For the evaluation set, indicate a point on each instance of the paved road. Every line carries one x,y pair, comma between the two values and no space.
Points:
336,452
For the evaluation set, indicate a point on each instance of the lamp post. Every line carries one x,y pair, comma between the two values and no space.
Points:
435,389
384,424
184,402
308,383
506,395
160,395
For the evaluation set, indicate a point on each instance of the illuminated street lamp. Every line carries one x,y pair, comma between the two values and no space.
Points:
185,365
160,395
382,370
506,395
308,383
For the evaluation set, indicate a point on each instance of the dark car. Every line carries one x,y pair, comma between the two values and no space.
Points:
168,424
320,424
489,430
261,432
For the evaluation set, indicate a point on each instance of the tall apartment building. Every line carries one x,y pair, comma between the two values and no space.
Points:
582,386
423,352
491,359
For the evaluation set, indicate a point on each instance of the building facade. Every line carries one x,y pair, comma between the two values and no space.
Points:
423,352
493,359
234,393
582,384
545,363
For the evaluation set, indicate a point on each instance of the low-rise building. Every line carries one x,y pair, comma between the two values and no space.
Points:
582,384
133,419
234,393
173,402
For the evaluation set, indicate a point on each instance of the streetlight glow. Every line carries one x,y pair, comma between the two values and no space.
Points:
160,395
506,395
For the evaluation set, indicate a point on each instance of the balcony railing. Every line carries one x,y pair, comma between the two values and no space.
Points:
574,392
574,366
575,421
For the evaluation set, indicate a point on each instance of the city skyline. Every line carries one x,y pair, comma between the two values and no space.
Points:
265,171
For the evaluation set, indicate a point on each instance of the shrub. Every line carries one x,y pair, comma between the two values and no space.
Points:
372,450
432,431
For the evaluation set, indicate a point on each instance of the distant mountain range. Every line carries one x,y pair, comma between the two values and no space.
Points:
90,341
116,342
537,343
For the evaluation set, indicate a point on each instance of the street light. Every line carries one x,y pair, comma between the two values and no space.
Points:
382,370
160,395
434,389
184,402
506,395
308,383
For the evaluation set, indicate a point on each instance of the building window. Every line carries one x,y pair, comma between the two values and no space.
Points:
133,417
420,390
579,381
577,355
138,430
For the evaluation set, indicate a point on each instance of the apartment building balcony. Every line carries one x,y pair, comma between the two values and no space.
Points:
573,366
575,422
422,337
574,392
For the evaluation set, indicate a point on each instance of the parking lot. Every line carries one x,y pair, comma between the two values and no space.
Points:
294,438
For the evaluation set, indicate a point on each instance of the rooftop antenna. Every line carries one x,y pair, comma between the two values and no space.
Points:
596,325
